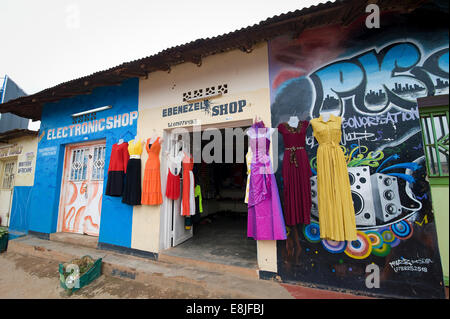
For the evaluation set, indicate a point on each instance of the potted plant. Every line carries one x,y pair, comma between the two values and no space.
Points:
3,239
79,272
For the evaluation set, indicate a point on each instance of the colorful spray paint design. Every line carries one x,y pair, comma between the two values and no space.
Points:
377,94
373,82
371,239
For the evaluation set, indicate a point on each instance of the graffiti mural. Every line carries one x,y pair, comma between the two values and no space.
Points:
372,81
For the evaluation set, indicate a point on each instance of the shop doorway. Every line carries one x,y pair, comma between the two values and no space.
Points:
82,188
218,233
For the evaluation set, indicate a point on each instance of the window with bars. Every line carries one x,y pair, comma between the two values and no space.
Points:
8,175
98,163
79,164
434,122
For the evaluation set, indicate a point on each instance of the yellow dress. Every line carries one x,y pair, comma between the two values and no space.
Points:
135,148
335,204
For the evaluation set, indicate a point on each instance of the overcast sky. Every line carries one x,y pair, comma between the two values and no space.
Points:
44,43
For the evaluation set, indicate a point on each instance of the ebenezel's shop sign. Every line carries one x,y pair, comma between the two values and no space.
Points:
93,126
222,109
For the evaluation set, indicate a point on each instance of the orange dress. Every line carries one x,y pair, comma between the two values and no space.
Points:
151,188
188,200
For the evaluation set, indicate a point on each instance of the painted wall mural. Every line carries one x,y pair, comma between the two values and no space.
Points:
372,79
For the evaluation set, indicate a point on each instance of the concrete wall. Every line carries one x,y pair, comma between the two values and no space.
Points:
29,150
24,178
246,75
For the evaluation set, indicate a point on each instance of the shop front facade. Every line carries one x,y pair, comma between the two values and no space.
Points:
72,163
17,166
371,78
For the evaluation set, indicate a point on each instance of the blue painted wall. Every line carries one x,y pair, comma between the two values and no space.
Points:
116,217
20,209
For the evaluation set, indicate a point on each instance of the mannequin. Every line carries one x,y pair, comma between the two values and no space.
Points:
293,121
154,137
251,132
326,115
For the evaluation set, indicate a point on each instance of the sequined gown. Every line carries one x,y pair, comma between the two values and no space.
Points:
265,216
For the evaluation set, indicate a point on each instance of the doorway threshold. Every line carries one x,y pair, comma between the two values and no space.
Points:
75,239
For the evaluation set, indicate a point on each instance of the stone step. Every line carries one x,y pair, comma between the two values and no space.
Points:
75,239
168,273
235,270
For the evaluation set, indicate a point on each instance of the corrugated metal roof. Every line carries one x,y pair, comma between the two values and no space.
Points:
12,134
339,11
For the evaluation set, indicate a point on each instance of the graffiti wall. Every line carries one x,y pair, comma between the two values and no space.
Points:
372,79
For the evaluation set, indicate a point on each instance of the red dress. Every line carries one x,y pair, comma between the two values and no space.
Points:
188,183
117,169
296,173
173,186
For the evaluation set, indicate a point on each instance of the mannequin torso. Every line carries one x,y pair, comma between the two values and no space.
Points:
293,121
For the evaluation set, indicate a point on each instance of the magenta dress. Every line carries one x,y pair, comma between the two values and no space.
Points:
265,216
296,173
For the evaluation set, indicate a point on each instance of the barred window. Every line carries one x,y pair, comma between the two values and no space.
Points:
435,132
8,174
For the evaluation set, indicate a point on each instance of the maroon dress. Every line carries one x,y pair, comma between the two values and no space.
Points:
296,174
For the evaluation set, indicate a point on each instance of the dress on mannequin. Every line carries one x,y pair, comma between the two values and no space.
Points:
132,191
335,204
173,176
151,187
117,169
265,216
296,173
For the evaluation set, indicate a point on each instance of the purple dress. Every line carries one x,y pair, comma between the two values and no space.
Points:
265,217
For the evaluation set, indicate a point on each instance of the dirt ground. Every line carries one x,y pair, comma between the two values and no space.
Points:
30,277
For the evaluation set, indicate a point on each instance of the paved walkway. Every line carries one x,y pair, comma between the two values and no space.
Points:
29,269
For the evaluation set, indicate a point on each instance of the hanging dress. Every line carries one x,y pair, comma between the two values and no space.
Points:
132,191
248,159
151,187
117,169
296,173
173,177
335,205
188,200
265,216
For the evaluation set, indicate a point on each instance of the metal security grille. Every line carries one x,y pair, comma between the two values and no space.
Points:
435,133
79,164
98,163
8,175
